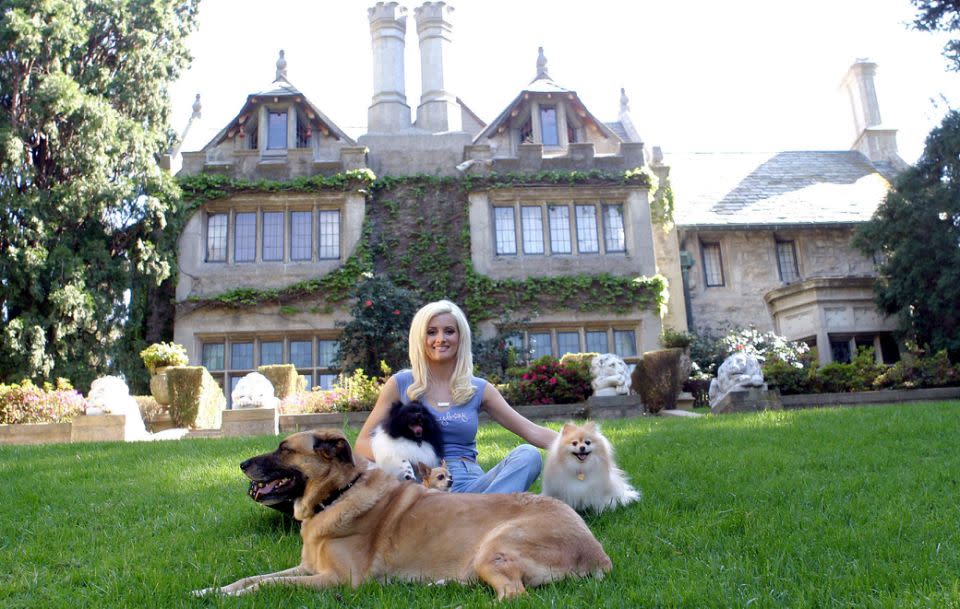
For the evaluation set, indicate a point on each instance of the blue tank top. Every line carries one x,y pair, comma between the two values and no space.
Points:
458,424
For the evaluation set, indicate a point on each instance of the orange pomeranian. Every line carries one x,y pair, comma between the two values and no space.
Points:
581,472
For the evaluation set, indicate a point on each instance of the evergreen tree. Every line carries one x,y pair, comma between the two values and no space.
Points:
84,102
916,232
940,16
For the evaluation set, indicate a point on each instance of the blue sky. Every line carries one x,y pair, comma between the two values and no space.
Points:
739,75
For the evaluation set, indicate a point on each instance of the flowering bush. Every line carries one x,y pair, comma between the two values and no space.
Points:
764,345
356,392
28,403
159,355
551,381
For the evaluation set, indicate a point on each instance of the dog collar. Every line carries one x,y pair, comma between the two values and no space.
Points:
335,495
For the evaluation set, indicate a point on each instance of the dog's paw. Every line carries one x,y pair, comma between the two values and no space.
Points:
205,592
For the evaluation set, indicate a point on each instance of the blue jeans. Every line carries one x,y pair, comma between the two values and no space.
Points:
515,474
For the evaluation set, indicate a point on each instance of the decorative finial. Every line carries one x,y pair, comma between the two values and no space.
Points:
196,107
281,68
624,101
541,65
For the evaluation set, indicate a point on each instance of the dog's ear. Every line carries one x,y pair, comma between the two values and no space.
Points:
333,449
423,470
567,428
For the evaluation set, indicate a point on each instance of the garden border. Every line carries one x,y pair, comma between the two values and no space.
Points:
864,398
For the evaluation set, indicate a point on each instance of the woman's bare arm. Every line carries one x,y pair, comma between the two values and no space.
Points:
503,413
389,394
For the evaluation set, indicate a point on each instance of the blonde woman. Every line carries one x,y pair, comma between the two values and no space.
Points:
441,377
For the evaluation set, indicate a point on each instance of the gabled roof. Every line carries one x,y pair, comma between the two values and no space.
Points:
280,89
539,88
780,189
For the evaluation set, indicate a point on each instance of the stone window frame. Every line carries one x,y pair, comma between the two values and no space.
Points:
225,237
231,210
527,125
704,245
226,376
601,205
581,329
783,242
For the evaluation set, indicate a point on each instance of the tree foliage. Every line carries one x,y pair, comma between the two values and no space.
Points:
940,16
379,326
84,102
916,231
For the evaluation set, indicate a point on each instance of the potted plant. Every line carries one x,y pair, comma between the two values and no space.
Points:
157,358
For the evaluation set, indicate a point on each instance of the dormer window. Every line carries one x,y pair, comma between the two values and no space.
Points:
276,130
548,126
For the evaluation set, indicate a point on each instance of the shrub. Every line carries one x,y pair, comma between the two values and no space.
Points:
657,379
787,377
159,355
379,325
149,408
764,345
196,400
548,380
675,339
916,369
283,377
707,351
28,403
350,393
838,377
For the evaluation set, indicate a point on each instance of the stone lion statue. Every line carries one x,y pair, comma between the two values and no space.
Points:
739,371
610,375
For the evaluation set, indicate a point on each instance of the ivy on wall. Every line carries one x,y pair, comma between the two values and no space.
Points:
417,233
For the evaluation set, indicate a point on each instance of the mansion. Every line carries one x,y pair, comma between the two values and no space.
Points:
761,239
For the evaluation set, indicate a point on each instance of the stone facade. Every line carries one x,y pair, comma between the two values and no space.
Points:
248,240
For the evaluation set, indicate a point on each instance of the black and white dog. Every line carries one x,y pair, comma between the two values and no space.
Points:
408,435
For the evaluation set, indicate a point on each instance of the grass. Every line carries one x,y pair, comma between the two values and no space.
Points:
853,507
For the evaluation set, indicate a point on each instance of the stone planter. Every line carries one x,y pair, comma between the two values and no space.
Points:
98,428
35,433
159,387
250,422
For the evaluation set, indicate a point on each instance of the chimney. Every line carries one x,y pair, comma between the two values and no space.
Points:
438,111
877,143
388,111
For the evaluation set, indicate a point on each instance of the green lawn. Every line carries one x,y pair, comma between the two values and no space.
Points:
854,507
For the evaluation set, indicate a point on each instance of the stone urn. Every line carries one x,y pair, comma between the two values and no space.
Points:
159,388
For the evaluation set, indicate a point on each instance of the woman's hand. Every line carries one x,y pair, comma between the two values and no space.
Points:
504,414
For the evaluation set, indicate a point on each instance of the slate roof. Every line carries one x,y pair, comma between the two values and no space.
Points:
779,189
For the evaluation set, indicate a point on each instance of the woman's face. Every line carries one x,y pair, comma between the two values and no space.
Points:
443,338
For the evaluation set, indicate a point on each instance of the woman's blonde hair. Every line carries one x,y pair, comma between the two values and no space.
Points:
461,387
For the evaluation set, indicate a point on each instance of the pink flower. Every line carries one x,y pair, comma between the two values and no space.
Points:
553,380
396,311
368,303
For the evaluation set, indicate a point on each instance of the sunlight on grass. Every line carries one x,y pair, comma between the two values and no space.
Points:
829,508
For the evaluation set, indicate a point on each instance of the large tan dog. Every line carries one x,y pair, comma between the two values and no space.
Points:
361,524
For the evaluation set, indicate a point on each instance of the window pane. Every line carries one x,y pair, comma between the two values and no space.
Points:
840,350
273,235
505,229
597,341
271,353
787,261
587,241
515,342
308,375
217,238
277,127
325,381
613,228
539,344
241,356
568,342
212,356
326,353
531,219
301,235
625,343
329,234
548,125
245,243
301,353
712,264
559,229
